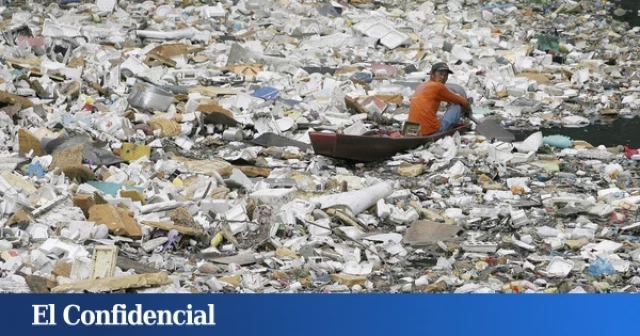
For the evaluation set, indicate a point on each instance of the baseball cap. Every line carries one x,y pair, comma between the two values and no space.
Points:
441,66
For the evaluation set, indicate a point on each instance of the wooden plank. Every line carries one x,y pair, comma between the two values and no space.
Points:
38,284
345,218
153,58
212,91
110,284
25,61
11,99
182,229
104,261
252,171
127,264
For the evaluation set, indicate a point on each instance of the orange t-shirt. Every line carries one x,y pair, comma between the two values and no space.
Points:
425,103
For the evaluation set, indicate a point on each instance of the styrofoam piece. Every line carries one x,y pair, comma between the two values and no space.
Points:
394,39
273,197
167,35
214,205
531,143
57,29
152,244
524,245
575,121
602,210
357,201
479,247
81,269
215,11
559,267
5,245
519,218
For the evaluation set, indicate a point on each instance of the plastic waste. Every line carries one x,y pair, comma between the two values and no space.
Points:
201,153
548,42
267,93
558,141
575,121
5,245
356,201
35,169
631,153
600,267
594,154
613,169
530,144
366,77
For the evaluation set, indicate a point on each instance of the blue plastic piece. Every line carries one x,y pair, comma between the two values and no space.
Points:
68,120
482,111
558,141
111,188
35,169
266,92
629,238
600,267
364,76
544,177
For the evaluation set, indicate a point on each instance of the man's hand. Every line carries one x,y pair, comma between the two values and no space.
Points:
466,111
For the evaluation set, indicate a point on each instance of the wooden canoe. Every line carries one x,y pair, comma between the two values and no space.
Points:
369,148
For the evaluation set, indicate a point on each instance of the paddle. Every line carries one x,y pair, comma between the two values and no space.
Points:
492,130
488,128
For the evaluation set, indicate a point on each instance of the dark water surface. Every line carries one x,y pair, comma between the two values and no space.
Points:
619,131
632,7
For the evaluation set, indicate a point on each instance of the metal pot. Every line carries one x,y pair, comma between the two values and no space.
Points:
149,97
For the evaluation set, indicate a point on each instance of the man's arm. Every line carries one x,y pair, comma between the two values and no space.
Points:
446,95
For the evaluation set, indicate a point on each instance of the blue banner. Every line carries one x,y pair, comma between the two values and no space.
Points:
323,314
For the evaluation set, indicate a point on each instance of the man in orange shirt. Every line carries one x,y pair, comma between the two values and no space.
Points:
427,99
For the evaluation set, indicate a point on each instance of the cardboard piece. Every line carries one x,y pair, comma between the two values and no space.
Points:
38,284
132,152
70,156
168,127
11,99
27,142
117,220
424,232
206,167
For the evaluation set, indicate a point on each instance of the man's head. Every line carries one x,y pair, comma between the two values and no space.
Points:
440,72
